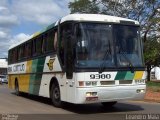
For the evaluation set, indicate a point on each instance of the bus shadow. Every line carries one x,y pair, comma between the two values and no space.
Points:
98,108
35,98
87,108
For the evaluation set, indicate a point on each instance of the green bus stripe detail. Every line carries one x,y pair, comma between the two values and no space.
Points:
129,76
34,66
32,83
120,75
35,79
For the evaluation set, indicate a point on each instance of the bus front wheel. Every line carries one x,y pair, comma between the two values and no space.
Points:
109,104
55,95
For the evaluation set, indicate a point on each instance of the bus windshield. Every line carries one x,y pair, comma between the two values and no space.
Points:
108,45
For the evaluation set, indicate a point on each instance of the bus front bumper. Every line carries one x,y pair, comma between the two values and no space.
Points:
107,94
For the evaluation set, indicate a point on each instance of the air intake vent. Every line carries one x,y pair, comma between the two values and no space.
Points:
125,82
107,82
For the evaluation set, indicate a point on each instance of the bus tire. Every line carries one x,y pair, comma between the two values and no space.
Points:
55,95
109,104
17,92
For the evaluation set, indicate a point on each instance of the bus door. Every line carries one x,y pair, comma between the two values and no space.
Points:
69,71
67,60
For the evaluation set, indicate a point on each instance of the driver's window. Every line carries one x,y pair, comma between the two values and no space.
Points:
65,32
61,45
81,46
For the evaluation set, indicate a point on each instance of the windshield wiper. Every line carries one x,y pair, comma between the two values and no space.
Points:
102,66
121,51
130,65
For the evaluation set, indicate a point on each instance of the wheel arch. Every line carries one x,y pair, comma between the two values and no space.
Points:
54,80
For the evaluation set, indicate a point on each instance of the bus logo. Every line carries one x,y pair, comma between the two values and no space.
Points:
50,64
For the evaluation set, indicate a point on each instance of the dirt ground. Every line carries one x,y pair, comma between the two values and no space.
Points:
152,95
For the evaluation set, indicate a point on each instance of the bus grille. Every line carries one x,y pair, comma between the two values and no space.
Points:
107,82
125,82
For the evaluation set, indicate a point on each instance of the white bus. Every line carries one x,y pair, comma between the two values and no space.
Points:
81,59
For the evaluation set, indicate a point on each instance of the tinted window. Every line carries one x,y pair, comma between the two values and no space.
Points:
21,52
50,41
128,47
15,55
34,47
39,46
10,56
94,45
28,50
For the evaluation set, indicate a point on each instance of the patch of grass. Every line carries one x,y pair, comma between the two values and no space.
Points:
152,83
153,86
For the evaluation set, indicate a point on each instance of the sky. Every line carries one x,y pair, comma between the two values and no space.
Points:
19,19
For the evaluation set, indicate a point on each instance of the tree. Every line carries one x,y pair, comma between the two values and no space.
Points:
147,12
84,6
144,11
151,55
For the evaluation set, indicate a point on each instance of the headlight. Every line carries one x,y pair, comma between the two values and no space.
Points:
90,94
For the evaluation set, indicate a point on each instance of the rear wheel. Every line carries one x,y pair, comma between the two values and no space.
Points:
55,95
109,104
17,88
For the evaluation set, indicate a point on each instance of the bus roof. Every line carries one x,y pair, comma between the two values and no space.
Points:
96,18
80,17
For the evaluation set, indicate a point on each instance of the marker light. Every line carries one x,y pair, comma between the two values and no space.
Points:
91,83
81,83
87,83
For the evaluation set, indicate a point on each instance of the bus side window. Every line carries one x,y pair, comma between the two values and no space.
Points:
39,42
43,44
34,47
9,56
28,50
24,51
65,32
20,52
55,41
13,55
50,41
61,46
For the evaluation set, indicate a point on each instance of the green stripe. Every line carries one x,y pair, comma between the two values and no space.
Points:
34,66
129,76
120,75
35,79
